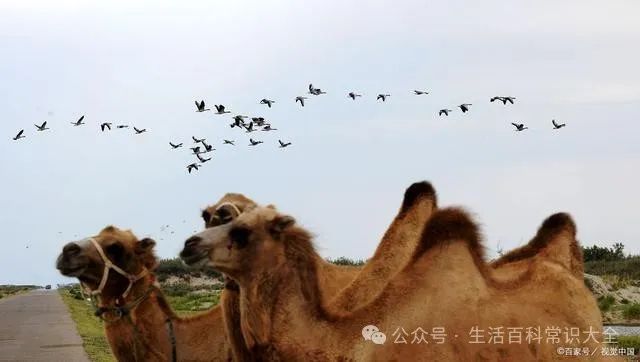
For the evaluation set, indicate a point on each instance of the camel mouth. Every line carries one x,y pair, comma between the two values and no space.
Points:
72,271
70,268
194,258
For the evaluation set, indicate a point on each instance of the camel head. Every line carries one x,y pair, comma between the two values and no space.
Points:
251,243
82,259
229,207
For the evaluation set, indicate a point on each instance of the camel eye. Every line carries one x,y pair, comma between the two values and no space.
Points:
240,236
115,250
224,215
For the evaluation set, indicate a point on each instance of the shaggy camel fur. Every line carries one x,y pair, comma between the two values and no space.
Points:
392,253
284,317
198,338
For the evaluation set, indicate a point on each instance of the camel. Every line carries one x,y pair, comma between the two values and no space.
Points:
349,285
283,314
142,331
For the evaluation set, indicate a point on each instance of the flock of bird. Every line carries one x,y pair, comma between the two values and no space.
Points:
260,124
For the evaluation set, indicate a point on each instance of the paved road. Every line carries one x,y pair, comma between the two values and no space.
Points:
37,327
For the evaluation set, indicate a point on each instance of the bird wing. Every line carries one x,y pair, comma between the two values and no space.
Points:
516,125
554,123
20,133
80,120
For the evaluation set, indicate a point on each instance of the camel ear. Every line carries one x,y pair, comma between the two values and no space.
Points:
281,223
144,250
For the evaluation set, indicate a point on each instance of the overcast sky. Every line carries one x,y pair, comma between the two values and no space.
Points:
144,63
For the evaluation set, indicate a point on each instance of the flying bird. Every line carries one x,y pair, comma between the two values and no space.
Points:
203,160
191,167
353,96
78,122
464,107
237,122
258,121
195,140
42,127
268,128
444,111
196,150
268,102
383,97
283,145
519,126
175,146
507,99
227,142
105,126
121,126
200,106
301,100
19,135
419,92
493,99
220,109
556,125
315,91
139,131
207,147
254,143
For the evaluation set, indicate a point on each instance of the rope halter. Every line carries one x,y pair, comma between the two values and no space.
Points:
233,206
108,265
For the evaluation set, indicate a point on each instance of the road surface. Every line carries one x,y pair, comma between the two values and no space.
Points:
36,326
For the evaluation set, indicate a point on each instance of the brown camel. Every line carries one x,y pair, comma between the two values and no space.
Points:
446,284
354,287
142,334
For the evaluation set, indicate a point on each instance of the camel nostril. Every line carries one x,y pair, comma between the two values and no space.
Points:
192,242
71,249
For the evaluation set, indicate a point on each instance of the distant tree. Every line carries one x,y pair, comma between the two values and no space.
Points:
175,267
346,261
602,253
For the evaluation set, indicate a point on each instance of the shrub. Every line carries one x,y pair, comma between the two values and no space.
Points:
605,302
631,311
629,342
628,268
175,266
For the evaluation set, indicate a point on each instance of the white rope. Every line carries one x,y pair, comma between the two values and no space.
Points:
108,265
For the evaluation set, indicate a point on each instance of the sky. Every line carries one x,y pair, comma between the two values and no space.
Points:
144,64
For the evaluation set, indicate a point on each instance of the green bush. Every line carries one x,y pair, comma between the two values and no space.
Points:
605,302
628,268
629,342
631,311
175,267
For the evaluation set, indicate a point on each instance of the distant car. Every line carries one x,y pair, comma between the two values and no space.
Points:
48,286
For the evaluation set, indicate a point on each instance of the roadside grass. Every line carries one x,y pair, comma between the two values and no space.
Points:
8,290
183,299
629,342
89,327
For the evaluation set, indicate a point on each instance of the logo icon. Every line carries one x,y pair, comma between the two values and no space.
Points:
373,334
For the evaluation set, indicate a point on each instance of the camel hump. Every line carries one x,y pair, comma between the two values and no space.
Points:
447,225
555,241
416,192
